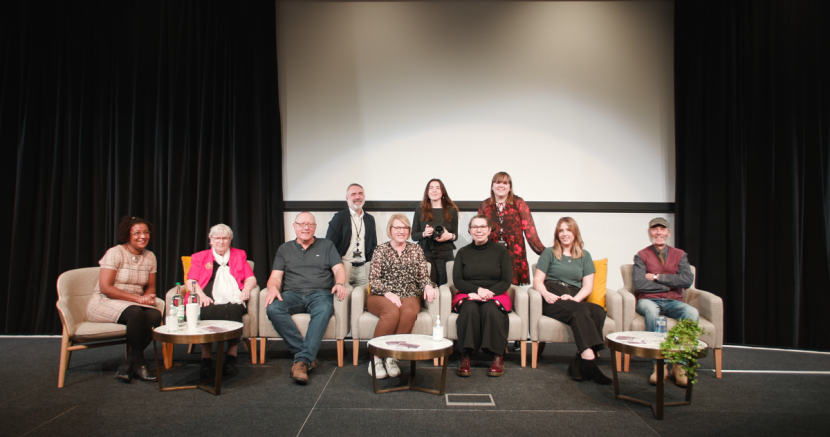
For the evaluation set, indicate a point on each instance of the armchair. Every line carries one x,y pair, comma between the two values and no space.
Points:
74,290
545,329
518,317
708,305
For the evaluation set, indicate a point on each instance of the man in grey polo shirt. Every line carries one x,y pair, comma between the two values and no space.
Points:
309,271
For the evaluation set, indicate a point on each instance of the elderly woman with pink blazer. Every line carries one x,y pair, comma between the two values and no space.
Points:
223,280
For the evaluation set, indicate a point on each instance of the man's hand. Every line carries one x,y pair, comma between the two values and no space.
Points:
340,290
273,293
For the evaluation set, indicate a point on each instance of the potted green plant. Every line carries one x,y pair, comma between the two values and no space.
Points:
681,346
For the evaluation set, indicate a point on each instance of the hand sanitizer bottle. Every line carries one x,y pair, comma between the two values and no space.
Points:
437,330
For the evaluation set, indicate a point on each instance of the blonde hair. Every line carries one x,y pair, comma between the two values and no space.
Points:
402,218
576,250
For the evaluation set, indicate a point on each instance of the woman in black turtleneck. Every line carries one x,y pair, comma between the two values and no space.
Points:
482,274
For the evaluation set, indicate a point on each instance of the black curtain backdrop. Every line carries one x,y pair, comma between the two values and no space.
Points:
165,110
753,155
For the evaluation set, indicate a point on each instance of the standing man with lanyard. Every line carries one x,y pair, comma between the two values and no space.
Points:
353,233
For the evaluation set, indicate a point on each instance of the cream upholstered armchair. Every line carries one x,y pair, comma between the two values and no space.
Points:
250,320
518,317
364,322
75,287
707,304
336,330
544,329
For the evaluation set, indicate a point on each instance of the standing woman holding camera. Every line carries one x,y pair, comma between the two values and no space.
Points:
435,227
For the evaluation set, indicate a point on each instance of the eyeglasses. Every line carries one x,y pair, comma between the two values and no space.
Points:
478,228
136,234
305,225
401,228
221,238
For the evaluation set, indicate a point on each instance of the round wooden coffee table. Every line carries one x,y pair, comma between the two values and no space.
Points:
412,347
208,331
647,344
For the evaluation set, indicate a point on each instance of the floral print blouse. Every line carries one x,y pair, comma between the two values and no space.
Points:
511,225
404,274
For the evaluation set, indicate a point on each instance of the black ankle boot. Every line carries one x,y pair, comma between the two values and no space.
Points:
125,372
591,371
575,369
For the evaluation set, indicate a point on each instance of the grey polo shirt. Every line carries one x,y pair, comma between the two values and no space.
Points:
307,269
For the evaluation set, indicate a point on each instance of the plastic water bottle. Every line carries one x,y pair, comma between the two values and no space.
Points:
662,325
437,330
178,303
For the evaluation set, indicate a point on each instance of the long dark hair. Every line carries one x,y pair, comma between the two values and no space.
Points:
446,203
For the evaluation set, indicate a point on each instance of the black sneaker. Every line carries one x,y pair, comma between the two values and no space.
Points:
207,370
229,366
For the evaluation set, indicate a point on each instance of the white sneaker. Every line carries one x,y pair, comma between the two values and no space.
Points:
392,367
379,370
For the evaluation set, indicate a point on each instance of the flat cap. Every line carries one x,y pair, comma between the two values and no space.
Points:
659,221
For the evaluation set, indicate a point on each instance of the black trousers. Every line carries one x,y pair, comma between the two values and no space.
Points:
482,325
438,259
585,319
140,322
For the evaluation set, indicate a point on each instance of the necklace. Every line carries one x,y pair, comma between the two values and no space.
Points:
135,255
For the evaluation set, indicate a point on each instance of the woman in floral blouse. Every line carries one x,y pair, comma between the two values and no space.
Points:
398,278
512,222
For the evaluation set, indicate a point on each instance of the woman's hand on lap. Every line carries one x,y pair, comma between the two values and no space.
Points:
429,293
393,298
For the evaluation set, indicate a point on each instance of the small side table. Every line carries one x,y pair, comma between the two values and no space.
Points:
427,349
202,334
646,344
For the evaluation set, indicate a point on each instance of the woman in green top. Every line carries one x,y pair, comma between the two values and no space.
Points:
565,277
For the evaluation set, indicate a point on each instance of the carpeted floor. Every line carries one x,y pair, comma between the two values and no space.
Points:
263,400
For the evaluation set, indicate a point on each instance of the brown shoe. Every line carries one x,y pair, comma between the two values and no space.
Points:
299,371
464,366
314,365
653,378
497,366
679,375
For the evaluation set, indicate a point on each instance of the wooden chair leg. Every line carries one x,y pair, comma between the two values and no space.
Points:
355,349
618,360
262,350
435,362
253,350
627,362
534,349
718,362
64,363
524,353
245,345
167,354
341,351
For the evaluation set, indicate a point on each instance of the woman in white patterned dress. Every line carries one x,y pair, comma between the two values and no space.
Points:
126,293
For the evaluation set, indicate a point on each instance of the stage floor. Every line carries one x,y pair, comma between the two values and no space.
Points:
762,392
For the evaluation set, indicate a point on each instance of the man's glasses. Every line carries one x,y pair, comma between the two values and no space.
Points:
306,225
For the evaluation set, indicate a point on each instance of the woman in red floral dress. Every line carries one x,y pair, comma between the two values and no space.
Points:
512,222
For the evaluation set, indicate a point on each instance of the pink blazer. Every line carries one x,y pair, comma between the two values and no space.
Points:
202,263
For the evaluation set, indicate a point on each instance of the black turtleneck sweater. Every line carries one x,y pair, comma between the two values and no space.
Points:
487,266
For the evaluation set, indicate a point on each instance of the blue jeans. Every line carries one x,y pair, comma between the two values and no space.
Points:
678,310
319,304
675,309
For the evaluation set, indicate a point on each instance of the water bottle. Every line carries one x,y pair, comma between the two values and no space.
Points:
194,298
662,325
172,318
178,303
437,330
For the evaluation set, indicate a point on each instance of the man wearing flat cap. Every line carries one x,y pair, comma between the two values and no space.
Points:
661,273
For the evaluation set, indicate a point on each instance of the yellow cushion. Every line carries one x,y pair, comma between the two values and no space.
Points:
598,295
186,266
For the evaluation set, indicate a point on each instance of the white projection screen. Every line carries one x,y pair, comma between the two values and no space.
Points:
574,99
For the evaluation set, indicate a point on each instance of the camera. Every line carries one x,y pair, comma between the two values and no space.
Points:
437,232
